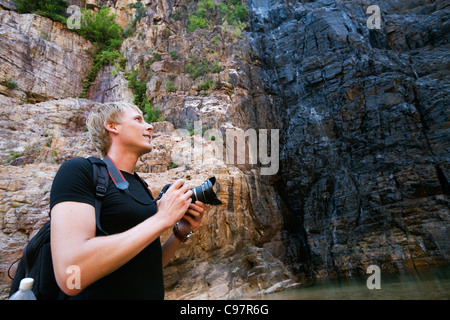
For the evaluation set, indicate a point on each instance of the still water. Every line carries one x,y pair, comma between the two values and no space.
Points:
425,285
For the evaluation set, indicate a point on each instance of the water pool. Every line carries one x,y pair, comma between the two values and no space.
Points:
432,284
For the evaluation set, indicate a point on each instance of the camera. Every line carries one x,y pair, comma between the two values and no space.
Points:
204,193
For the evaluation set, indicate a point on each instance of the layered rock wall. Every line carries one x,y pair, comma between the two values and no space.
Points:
365,146
238,250
235,253
43,58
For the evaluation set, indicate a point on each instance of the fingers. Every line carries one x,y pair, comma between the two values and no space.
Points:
189,194
191,220
177,184
196,210
198,206
182,188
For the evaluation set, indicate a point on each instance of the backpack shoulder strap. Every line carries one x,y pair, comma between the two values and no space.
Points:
101,181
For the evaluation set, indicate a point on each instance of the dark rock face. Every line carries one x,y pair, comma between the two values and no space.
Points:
365,157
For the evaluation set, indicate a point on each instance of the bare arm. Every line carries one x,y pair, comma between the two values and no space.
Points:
189,222
73,240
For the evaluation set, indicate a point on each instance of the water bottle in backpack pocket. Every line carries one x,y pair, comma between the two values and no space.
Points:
24,292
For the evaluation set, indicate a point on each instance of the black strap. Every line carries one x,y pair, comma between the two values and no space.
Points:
145,184
25,261
101,180
103,169
123,184
115,174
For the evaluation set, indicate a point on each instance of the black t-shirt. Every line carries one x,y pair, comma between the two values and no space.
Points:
141,277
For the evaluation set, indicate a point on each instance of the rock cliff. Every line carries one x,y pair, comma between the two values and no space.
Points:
365,143
43,58
363,118
237,251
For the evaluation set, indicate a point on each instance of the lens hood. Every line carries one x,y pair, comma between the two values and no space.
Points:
205,193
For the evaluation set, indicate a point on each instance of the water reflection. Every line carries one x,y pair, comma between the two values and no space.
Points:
433,284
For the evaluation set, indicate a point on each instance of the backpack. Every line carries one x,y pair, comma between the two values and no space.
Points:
36,261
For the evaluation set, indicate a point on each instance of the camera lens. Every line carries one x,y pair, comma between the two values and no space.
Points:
205,193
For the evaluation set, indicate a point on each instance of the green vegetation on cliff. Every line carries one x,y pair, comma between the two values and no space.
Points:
103,31
53,9
101,28
151,113
203,14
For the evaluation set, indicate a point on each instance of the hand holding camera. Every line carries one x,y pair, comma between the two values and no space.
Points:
175,201
199,196
204,193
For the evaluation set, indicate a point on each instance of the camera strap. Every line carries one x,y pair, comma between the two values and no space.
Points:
122,184
115,174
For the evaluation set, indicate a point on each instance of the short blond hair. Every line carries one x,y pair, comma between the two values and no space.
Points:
105,112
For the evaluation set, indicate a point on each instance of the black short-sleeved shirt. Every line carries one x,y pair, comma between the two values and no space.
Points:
141,277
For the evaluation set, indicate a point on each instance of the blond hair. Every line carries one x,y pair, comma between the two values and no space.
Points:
106,112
